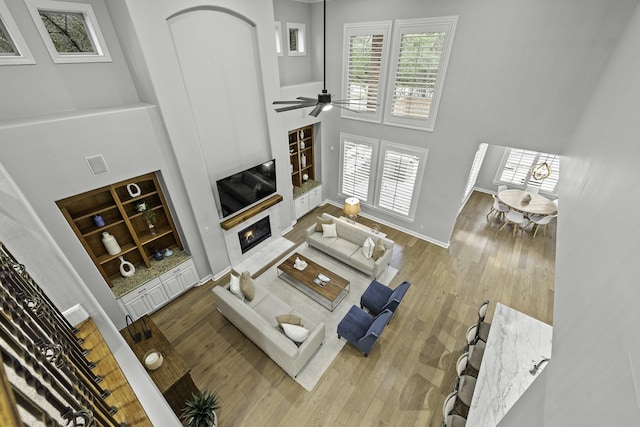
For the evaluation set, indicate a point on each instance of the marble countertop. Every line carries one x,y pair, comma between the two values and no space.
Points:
305,188
124,285
515,344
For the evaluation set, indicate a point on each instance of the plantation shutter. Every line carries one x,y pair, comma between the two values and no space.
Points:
363,72
399,172
356,169
475,168
417,70
516,168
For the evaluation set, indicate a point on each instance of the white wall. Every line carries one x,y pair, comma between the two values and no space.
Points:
45,87
163,80
519,75
593,378
295,69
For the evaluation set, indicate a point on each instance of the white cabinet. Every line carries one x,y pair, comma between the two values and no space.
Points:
179,279
308,201
157,292
146,299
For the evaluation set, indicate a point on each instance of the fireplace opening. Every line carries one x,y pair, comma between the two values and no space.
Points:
254,234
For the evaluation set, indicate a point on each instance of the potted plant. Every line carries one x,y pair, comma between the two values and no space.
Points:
148,214
201,410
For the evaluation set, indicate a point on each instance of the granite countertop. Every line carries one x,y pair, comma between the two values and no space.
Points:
124,285
305,188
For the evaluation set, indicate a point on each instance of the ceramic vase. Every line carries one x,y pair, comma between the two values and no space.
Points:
98,221
110,243
126,268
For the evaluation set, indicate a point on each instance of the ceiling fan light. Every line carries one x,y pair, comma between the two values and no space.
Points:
327,107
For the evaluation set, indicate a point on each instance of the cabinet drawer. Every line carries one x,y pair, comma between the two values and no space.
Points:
140,291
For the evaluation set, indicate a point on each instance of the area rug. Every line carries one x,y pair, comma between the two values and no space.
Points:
311,374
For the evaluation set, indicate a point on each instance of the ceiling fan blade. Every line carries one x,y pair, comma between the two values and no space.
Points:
316,110
345,108
293,107
291,102
304,98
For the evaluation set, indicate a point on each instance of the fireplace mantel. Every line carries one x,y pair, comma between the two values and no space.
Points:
229,223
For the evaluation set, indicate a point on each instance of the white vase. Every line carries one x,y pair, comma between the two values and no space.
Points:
110,244
302,145
126,268
303,161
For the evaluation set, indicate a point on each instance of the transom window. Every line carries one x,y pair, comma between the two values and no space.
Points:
365,53
13,49
69,30
420,58
515,170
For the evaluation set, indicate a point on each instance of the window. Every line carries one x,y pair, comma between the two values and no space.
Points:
278,38
69,30
296,38
516,167
13,49
357,154
475,170
365,53
421,49
401,173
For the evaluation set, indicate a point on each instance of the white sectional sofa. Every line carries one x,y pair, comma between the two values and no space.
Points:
257,320
348,244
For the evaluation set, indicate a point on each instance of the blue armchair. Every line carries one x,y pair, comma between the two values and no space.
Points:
378,297
361,329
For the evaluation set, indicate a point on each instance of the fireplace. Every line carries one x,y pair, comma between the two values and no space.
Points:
254,234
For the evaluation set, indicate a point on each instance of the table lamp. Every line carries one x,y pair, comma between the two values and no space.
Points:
352,208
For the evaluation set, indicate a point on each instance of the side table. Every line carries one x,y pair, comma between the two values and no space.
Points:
172,378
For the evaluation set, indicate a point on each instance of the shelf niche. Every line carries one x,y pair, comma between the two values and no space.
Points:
301,144
122,220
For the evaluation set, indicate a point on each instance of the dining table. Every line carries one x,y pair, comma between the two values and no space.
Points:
538,205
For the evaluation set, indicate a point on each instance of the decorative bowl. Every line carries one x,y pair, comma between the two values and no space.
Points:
152,359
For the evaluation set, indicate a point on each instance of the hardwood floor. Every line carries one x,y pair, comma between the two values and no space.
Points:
411,369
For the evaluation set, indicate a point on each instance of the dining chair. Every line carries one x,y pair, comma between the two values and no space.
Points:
516,218
541,220
499,208
450,418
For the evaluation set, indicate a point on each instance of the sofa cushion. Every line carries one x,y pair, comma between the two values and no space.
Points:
270,307
260,293
344,248
246,286
359,261
320,220
234,285
379,250
329,230
367,247
316,239
291,319
297,333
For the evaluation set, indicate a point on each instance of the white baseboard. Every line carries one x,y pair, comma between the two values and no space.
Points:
76,314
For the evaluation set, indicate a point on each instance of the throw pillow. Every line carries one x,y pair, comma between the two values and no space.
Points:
291,319
234,286
320,220
379,250
246,286
329,230
367,247
295,332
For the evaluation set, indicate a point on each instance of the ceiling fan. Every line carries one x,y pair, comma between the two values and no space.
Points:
323,102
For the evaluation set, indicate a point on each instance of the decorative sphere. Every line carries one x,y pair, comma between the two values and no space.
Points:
305,177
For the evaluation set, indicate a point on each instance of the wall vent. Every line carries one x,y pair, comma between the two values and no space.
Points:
97,164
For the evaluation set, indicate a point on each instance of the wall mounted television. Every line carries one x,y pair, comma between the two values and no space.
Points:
246,187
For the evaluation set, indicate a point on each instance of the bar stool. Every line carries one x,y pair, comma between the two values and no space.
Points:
465,384
449,417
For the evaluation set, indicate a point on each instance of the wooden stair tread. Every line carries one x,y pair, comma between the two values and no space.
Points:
130,410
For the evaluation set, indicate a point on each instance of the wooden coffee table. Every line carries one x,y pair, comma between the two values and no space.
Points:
329,295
